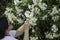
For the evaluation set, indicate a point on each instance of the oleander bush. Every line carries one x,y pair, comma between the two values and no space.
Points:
44,17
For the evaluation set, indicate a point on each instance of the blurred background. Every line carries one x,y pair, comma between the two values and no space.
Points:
44,17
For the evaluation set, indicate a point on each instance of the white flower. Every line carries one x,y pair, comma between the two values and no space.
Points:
54,28
16,2
45,16
43,6
33,38
37,1
55,18
54,11
56,35
11,16
18,10
5,12
37,10
9,9
34,1
49,35
40,0
52,35
19,20
29,6
32,6
27,13
33,30
32,21
36,38
30,15
59,10
24,1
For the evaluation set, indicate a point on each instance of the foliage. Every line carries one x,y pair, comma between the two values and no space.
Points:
44,17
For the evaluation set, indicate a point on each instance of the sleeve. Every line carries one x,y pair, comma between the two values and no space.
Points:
9,38
12,33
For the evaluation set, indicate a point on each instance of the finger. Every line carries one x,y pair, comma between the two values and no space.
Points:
27,21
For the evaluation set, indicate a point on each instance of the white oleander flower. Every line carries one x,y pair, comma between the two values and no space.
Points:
49,35
59,10
56,35
25,1
18,10
30,15
27,13
32,21
54,28
29,6
11,15
16,2
19,20
55,18
33,30
9,9
34,1
37,10
33,38
54,11
52,35
44,17
43,6
40,0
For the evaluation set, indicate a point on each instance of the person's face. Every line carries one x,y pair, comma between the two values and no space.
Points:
10,26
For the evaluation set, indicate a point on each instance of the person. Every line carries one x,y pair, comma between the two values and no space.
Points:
5,29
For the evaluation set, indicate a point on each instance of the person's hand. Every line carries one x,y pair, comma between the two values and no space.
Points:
27,24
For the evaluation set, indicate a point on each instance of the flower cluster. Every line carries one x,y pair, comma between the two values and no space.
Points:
33,38
52,35
11,16
33,12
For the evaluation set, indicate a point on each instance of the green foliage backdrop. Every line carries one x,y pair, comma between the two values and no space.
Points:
47,13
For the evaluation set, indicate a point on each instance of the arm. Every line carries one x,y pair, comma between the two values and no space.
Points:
26,32
21,29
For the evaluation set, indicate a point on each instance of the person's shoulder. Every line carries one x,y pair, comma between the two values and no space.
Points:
12,33
9,38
